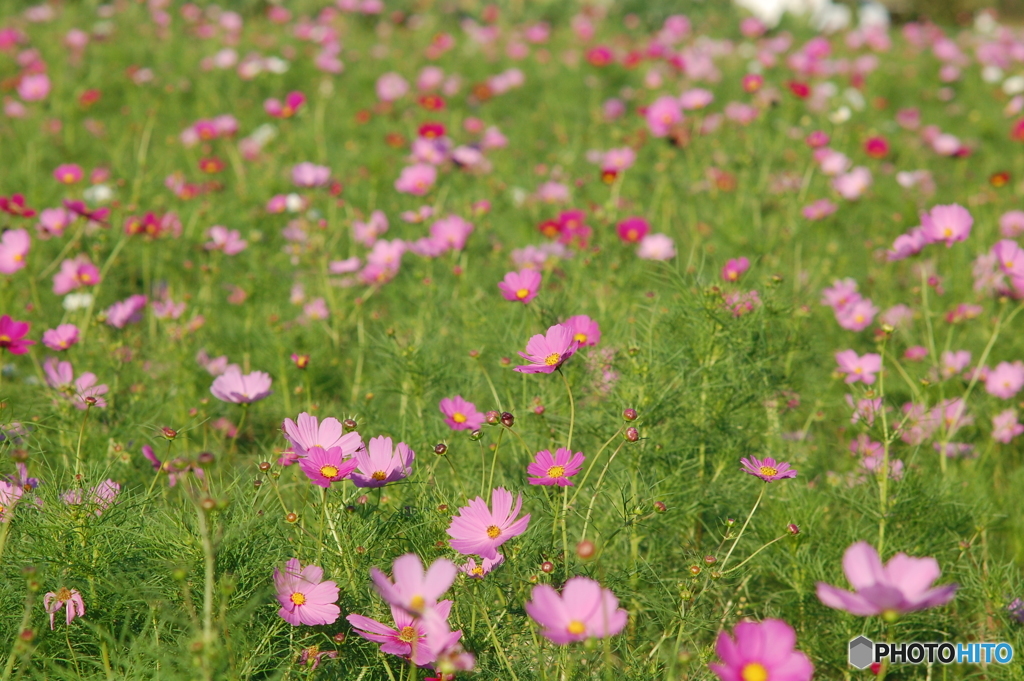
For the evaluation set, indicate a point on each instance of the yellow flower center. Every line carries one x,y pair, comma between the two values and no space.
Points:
329,471
493,531
947,232
459,417
754,671
632,235
63,594
581,337
768,470
298,598
556,471
478,571
407,635
576,627
417,603
4,338
552,359
522,293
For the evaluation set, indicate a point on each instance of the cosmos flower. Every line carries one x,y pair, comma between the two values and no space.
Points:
460,414
380,462
323,467
410,637
480,530
521,286
555,469
414,589
306,433
12,336
767,469
223,239
947,224
585,330
61,338
583,610
857,367
14,248
478,571
761,652
304,597
548,352
233,386
656,247
70,599
902,585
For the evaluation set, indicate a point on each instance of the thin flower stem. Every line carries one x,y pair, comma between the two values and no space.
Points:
597,489
238,430
5,527
747,559
497,644
740,535
572,411
883,482
494,462
81,435
490,383
593,461
208,563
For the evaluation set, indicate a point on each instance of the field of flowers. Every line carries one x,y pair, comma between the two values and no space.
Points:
539,340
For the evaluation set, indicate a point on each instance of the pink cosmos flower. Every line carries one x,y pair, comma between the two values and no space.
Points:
34,87
583,610
952,363
291,105
915,353
414,590
381,462
127,311
416,179
735,268
460,414
656,247
75,274
903,585
1005,426
858,315
88,392
9,496
61,338
223,239
409,638
832,162
452,232
304,597
842,293
818,210
853,184
308,174
68,173
367,232
14,246
474,571
947,224
99,498
618,160
759,652
662,114
556,469
324,466
233,386
70,599
859,368
585,330
1003,382
1011,223
12,336
1009,256
548,352
306,433
480,530
696,98
908,244
391,86
522,286
767,469
632,230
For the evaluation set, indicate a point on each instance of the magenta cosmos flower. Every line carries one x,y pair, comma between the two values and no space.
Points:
859,368
947,224
521,286
478,571
902,585
306,433
381,462
410,637
414,590
767,469
12,336
14,247
735,268
304,598
53,601
127,311
480,530
233,386
460,414
556,469
324,466
546,353
632,230
61,338
583,610
584,330
75,274
761,652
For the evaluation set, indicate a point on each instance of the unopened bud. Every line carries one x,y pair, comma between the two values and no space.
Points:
349,425
169,433
292,517
629,414
507,419
585,549
208,504
710,560
27,635
440,449
730,522
695,570
476,435
660,507
547,567
205,458
493,418
339,637
632,434
539,409
793,529
264,466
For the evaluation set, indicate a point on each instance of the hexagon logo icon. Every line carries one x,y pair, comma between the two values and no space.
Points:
862,652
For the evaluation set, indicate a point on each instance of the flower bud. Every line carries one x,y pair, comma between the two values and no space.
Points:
730,522
440,449
19,455
715,574
585,549
292,517
257,483
507,419
476,435
695,570
360,550
264,466
660,507
629,414
28,634
349,425
339,637
684,657
539,409
547,567
205,458
208,504
710,560
632,434
492,418
301,361
793,529
169,433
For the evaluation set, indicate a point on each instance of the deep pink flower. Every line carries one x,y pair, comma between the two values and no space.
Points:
413,589
1003,382
903,585
761,652
410,637
585,330
12,336
233,386
68,173
74,274
632,230
14,247
381,462
460,414
61,338
291,105
480,530
583,610
474,571
548,352
522,286
127,311
859,368
304,597
662,114
555,469
735,268
323,467
767,469
63,597
947,224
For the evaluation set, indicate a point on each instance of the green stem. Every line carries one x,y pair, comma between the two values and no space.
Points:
747,559
81,435
494,462
238,430
572,411
597,489
208,562
742,529
497,644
